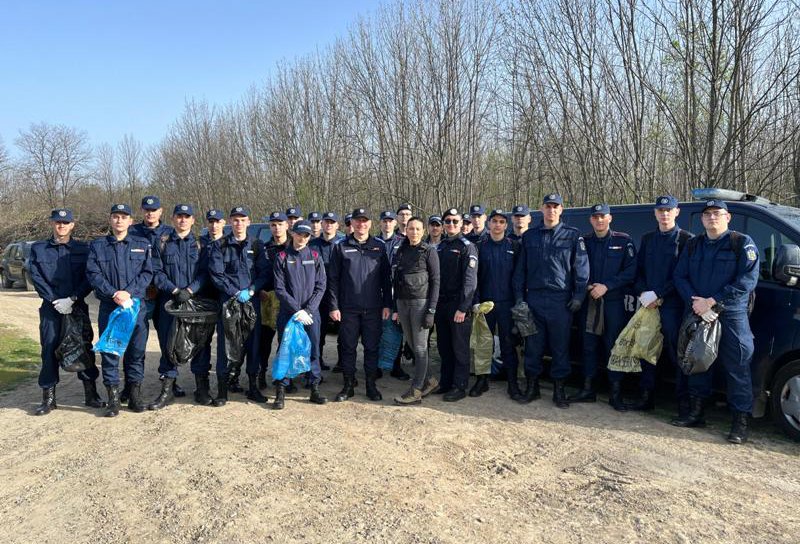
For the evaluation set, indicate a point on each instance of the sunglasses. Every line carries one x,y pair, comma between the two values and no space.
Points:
452,221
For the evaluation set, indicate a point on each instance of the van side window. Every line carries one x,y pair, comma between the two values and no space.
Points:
768,239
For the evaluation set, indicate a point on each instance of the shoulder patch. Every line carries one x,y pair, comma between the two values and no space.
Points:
751,253
581,243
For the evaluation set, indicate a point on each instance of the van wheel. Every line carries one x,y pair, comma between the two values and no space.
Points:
7,282
28,282
786,399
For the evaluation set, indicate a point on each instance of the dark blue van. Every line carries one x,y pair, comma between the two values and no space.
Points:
775,320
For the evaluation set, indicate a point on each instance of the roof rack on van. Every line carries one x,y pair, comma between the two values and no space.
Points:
712,193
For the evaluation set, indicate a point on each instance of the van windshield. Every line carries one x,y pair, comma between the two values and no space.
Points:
789,214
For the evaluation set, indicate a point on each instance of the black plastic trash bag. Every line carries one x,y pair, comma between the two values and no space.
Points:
191,329
74,352
698,344
238,320
523,319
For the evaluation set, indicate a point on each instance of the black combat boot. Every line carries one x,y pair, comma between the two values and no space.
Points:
222,392
559,394
532,392
125,394
513,390
48,402
280,397
454,395
112,410
584,394
695,417
481,386
316,397
166,396
347,391
252,391
738,434
90,396
645,403
135,402
615,398
201,394
372,389
177,390
233,381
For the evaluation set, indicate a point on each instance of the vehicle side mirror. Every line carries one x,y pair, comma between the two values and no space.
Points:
786,268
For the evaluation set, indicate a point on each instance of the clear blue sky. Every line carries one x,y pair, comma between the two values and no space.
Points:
113,68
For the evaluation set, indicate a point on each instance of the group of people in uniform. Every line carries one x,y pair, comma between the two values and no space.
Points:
422,273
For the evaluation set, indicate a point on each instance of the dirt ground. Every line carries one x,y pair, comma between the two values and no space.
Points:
480,470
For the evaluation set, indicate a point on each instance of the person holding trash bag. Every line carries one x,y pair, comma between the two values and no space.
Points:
656,261
612,270
497,257
58,271
551,276
179,275
716,275
458,263
201,365
415,273
300,285
238,267
119,269
360,295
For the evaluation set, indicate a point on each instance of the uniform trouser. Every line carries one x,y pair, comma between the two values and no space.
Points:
597,347
452,339
133,360
411,314
202,363
553,326
671,319
500,323
49,338
735,355
313,336
265,348
366,324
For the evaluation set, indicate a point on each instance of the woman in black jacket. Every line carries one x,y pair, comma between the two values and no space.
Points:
415,278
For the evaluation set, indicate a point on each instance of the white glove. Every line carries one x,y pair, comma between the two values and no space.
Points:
304,317
647,298
128,303
63,305
710,316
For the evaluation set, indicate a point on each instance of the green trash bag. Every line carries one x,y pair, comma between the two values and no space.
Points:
641,339
481,341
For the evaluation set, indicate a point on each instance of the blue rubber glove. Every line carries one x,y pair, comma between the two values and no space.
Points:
243,295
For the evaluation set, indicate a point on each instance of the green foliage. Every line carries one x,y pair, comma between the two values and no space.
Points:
19,358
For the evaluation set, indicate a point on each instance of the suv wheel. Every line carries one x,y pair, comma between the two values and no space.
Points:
7,282
785,399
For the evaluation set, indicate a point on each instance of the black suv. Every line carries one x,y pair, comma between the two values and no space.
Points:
14,265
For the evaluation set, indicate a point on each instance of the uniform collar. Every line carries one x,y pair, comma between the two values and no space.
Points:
113,239
671,231
52,241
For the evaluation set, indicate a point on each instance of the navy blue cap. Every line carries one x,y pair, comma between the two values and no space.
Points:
499,212
553,198
666,201
467,219
240,210
521,209
183,209
359,213
388,214
215,214
294,212
315,216
61,215
435,219
121,208
601,209
451,211
476,209
402,207
715,204
277,216
330,216
302,227
347,218
151,202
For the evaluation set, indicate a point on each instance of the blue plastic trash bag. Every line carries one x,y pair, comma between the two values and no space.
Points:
121,322
294,354
391,342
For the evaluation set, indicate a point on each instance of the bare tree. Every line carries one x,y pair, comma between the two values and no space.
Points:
131,164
